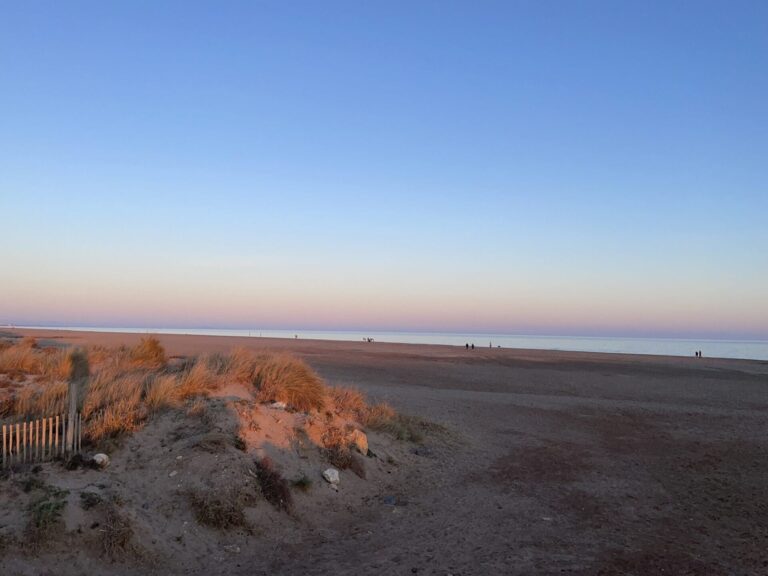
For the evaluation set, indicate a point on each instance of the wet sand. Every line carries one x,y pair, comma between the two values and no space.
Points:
556,462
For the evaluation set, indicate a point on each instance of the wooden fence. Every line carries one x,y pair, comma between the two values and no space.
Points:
42,439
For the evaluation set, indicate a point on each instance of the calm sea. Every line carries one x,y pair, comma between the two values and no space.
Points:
751,349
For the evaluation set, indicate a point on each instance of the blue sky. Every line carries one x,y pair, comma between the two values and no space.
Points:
539,167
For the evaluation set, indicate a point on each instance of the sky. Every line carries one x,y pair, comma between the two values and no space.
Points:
525,167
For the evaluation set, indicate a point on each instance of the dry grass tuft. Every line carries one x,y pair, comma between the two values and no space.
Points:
148,353
219,509
116,419
349,402
285,378
162,393
378,416
274,487
20,360
336,448
116,534
197,381
218,364
198,408
242,366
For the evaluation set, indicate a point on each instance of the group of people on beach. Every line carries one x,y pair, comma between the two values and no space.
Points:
697,353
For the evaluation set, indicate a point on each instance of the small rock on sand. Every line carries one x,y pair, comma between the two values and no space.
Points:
278,405
173,473
331,476
101,460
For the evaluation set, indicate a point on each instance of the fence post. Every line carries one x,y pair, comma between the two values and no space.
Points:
78,377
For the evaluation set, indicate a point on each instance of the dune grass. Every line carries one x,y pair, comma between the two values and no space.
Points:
149,353
285,378
122,387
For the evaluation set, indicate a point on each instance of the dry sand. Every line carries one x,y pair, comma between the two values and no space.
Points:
554,463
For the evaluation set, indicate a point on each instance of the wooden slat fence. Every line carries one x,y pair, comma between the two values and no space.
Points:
40,440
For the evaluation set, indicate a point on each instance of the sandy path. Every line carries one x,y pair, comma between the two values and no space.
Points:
558,462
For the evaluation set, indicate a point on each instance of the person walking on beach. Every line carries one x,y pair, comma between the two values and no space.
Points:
466,345
473,346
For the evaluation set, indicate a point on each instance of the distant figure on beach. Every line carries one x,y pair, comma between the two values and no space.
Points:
466,345
490,344
473,346
699,353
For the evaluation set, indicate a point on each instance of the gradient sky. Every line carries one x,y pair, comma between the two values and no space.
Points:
545,167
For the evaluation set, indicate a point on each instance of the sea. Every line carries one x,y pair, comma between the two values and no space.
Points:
745,349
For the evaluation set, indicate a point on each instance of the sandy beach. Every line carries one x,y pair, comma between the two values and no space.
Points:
550,463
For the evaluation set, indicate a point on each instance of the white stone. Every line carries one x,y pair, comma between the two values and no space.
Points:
173,473
101,460
278,405
331,476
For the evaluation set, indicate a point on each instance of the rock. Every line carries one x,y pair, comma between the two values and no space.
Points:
232,549
173,473
278,405
331,476
359,440
101,460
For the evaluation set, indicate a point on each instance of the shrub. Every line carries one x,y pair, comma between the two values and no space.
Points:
284,378
149,353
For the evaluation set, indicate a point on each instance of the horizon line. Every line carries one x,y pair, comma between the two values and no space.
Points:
296,330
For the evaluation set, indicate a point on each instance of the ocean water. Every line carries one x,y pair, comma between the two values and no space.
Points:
749,349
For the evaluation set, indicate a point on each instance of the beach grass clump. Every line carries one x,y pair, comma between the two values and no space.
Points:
18,360
285,378
161,393
242,366
348,402
197,381
149,353
217,363
122,417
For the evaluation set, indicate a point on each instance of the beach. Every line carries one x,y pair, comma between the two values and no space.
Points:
546,463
